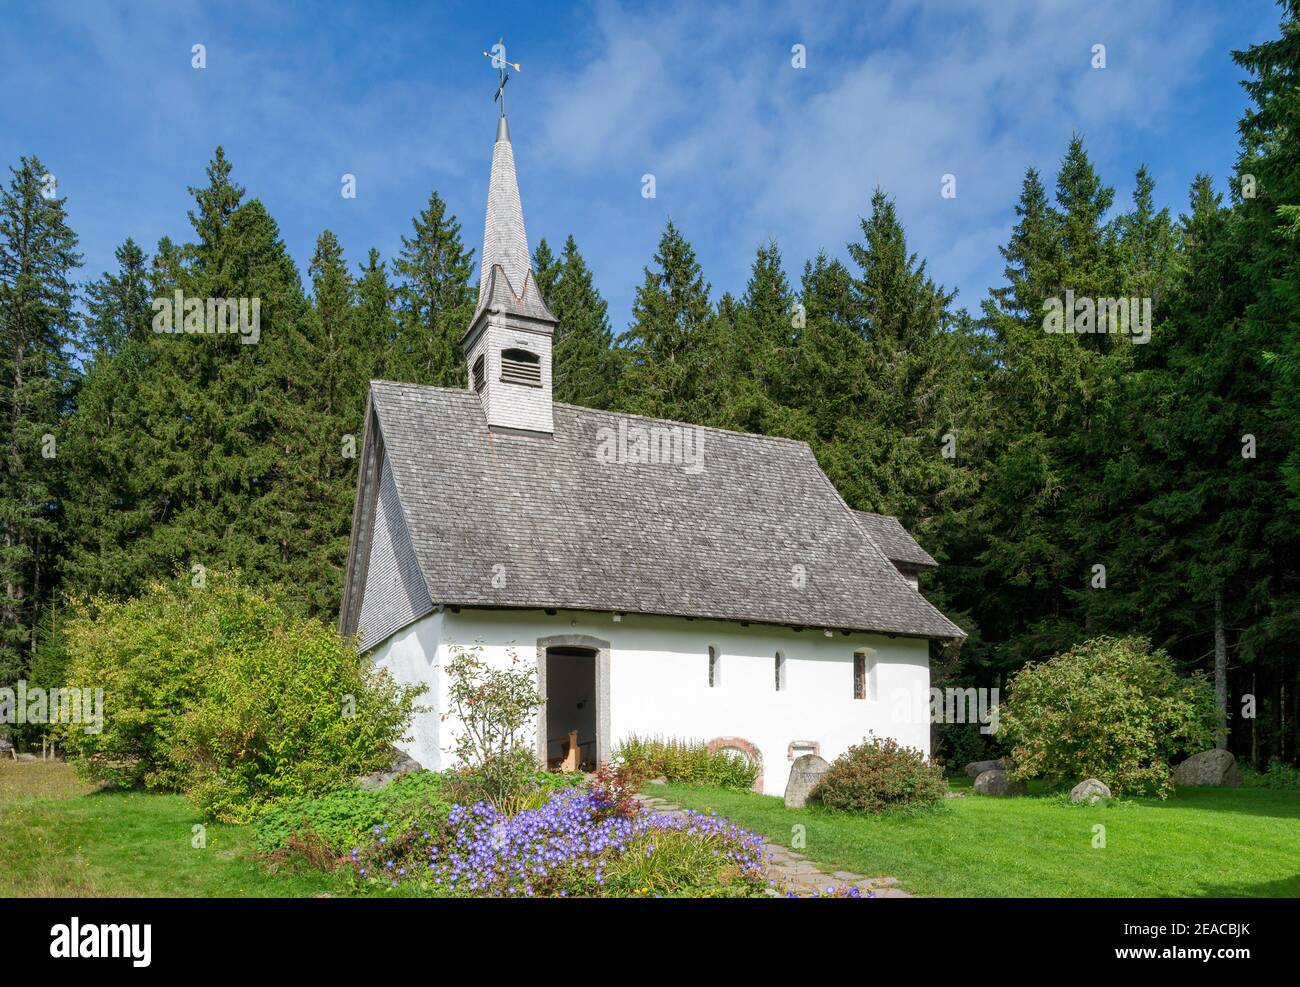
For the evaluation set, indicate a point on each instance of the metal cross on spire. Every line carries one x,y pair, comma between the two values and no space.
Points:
498,56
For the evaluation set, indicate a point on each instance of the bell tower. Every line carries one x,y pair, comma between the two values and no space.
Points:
508,342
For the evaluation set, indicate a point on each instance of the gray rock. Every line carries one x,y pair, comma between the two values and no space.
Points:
997,782
400,765
24,757
805,773
977,768
658,781
6,747
1090,790
1216,767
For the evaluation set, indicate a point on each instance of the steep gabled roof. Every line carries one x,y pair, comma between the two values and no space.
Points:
569,531
894,541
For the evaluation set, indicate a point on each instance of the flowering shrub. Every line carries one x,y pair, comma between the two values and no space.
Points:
576,845
880,774
686,761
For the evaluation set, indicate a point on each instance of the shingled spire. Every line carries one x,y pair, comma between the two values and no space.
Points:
508,342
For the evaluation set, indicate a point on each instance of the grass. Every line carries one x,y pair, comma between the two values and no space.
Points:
1201,842
62,838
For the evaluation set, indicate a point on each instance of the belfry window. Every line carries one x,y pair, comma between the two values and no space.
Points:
480,373
521,367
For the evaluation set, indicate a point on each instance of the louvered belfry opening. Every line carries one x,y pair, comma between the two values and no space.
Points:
521,367
480,373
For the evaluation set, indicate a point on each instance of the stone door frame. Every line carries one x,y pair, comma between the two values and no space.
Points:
601,649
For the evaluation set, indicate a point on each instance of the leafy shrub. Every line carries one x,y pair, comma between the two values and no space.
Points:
152,656
496,708
1278,775
1109,708
221,692
879,774
686,762
345,818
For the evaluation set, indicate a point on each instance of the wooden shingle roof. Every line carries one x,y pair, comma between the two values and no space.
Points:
757,534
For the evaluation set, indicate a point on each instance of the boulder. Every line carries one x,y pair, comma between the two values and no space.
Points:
6,747
995,781
401,764
1216,767
1090,790
977,768
805,773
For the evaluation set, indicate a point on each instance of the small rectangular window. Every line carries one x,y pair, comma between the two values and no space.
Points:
714,670
780,672
864,673
480,375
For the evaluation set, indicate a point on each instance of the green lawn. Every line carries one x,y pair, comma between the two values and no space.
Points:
60,838
1202,842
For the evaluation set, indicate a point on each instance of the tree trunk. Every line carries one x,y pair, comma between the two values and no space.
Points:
1220,668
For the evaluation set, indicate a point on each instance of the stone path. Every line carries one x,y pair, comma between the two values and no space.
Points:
792,869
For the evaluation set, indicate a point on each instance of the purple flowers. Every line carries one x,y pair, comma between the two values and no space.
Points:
575,844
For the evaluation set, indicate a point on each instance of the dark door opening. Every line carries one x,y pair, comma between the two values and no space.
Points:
571,709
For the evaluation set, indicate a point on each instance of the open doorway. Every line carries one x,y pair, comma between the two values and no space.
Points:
571,709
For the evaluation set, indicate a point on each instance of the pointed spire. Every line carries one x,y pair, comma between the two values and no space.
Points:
505,244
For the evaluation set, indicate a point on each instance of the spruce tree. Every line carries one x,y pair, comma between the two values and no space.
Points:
37,327
670,343
376,321
118,305
435,299
585,364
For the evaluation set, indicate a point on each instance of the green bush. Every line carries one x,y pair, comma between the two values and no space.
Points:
222,693
344,819
1109,708
687,762
880,774
1278,775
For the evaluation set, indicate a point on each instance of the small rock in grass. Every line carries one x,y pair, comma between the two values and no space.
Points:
1216,767
998,782
1090,790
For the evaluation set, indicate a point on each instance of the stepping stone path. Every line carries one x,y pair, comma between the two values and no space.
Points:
791,870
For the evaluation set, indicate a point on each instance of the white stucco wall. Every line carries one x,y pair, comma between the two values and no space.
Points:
659,680
411,656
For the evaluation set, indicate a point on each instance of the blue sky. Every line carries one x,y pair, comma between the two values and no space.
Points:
743,146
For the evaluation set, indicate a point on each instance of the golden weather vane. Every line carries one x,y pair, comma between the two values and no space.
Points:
498,56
